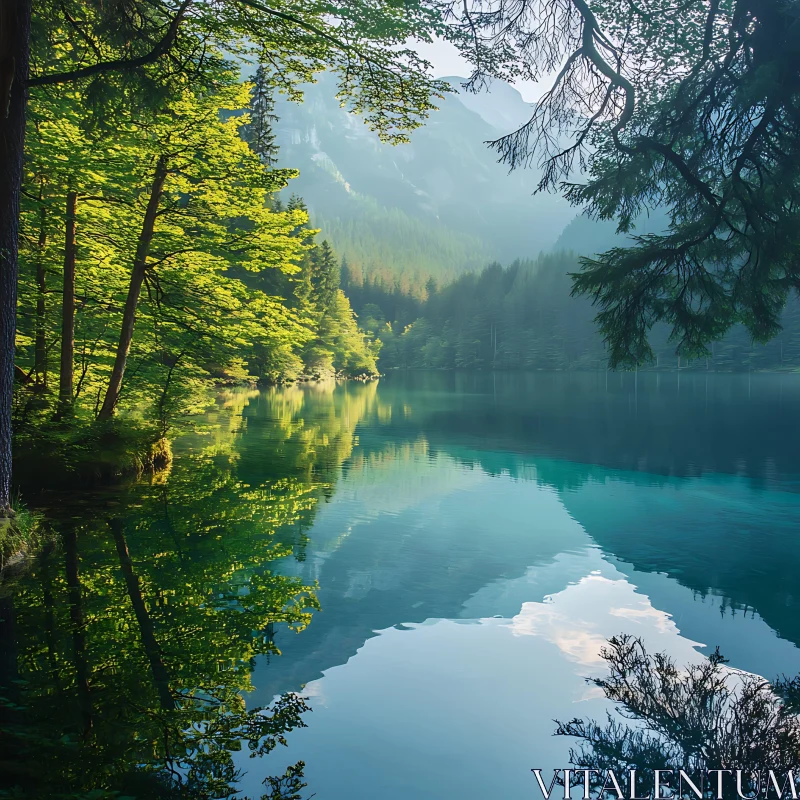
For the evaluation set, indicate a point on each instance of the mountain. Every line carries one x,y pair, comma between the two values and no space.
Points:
501,105
439,205
588,237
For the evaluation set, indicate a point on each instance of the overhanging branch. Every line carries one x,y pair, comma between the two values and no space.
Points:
119,64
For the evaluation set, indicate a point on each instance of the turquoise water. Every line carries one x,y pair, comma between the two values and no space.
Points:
472,540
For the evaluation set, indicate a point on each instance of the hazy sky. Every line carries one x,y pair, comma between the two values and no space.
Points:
447,61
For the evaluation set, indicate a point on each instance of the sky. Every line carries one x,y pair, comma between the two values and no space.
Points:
447,61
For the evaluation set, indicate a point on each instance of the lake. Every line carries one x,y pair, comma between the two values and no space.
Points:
434,561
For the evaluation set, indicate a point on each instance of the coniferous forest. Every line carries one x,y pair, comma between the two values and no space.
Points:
524,316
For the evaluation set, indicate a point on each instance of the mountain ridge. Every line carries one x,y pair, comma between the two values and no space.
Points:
440,205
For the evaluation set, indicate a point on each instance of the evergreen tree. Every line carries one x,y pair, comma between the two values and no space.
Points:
326,274
259,131
694,114
524,317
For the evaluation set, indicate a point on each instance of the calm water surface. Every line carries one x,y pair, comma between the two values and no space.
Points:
434,561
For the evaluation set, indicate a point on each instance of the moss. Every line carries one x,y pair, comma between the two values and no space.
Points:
21,533
159,456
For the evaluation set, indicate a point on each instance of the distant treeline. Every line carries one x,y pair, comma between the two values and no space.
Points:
383,243
524,317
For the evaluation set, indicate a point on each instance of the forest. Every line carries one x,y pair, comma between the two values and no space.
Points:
173,220
156,249
523,316
163,253
153,259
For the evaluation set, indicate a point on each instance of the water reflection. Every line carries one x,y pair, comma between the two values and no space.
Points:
130,644
700,719
658,423
434,561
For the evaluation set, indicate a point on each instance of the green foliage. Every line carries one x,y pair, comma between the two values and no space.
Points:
141,133
21,534
259,133
145,617
194,321
138,53
223,298
339,344
516,318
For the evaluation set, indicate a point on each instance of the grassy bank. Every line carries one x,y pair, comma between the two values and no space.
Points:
21,534
79,453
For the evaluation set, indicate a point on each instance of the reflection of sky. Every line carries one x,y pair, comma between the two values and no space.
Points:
464,706
457,708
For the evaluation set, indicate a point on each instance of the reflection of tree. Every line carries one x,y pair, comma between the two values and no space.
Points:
146,629
74,592
704,717
310,428
135,641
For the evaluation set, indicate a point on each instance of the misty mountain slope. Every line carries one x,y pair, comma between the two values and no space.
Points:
439,205
587,237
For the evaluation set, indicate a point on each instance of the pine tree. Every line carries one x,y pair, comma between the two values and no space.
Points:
325,275
431,287
259,132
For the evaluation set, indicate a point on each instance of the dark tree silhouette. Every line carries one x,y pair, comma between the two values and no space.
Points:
702,717
694,110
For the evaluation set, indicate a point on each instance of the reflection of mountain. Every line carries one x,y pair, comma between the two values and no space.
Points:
732,536
439,204
716,536
446,506
405,541
459,709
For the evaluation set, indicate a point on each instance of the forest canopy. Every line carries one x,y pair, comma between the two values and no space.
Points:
154,254
163,252
225,283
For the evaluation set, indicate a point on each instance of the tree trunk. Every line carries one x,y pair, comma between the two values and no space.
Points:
146,630
134,289
68,306
40,349
15,29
